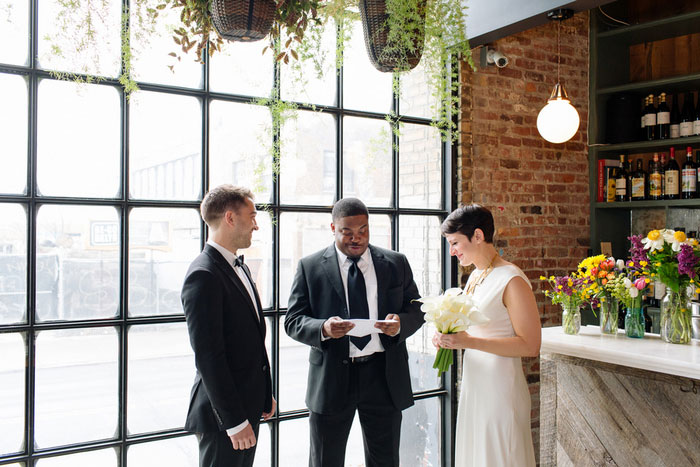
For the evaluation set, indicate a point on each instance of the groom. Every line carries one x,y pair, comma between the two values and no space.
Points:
368,375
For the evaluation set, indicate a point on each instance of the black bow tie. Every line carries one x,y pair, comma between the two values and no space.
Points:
238,261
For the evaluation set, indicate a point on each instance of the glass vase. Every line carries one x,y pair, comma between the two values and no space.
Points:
675,317
608,316
571,319
634,322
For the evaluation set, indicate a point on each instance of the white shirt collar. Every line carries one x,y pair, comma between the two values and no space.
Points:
229,256
342,257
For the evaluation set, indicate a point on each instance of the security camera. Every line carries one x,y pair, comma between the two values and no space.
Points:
494,57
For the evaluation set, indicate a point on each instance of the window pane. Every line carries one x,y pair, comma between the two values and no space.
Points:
162,244
240,147
421,433
416,97
258,257
294,369
355,449
367,166
13,264
77,263
165,153
263,453
62,23
12,388
300,235
242,68
421,355
78,142
294,442
14,29
161,369
308,163
380,230
13,121
421,241
420,167
149,50
364,88
103,458
76,387
177,452
312,80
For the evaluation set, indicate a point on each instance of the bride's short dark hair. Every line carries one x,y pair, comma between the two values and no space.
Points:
466,219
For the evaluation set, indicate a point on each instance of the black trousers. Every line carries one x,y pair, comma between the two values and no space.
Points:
216,450
380,421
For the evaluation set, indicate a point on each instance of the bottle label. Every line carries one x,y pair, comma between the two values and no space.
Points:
655,185
644,121
672,182
689,180
696,127
638,188
686,128
651,119
621,186
663,118
675,131
612,190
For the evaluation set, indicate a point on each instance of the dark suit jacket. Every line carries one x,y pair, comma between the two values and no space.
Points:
318,294
233,382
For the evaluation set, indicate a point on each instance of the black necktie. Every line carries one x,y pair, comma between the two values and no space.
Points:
357,298
238,261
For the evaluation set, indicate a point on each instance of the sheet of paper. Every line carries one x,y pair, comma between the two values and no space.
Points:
364,327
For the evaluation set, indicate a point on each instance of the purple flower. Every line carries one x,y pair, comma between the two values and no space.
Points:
637,251
563,281
687,261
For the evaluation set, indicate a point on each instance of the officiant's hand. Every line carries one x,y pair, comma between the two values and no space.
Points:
458,340
390,329
336,328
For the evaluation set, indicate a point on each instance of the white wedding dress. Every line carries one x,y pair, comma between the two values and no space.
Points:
493,418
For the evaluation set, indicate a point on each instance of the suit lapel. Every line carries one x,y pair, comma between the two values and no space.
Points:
228,271
330,266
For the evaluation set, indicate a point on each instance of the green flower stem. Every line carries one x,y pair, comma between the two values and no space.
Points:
634,322
443,360
569,322
676,320
608,316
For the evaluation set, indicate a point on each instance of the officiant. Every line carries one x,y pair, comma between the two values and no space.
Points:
369,374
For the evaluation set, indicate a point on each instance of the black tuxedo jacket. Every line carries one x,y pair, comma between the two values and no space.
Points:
318,294
233,382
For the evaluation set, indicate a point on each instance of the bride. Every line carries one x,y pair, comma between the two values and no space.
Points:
493,418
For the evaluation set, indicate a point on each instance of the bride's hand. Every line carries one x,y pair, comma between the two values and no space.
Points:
458,340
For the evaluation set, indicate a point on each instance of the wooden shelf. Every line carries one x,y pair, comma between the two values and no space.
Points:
651,31
641,146
670,85
661,204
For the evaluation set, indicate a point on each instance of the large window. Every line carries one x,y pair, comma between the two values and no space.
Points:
98,200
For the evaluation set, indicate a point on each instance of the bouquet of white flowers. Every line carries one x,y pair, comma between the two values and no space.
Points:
451,312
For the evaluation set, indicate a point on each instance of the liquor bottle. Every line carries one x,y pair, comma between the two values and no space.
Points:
672,176
696,122
675,127
621,181
650,124
689,176
697,168
663,118
687,115
655,179
639,181
663,159
645,105
610,191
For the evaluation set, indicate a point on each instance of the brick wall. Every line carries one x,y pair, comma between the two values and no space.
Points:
537,191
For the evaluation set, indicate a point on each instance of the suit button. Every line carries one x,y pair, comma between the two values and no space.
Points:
345,362
264,367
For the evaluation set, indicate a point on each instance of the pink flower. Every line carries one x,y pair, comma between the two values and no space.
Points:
640,283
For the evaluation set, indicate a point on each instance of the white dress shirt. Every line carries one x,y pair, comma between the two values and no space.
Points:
367,268
230,257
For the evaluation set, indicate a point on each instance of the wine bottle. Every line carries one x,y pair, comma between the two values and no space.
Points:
689,176
621,181
663,118
639,178
672,176
655,179
696,122
650,124
663,158
687,115
675,127
645,104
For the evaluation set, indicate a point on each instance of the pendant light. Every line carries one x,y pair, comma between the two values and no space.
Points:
558,121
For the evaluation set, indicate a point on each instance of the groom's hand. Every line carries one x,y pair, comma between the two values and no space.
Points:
336,328
392,328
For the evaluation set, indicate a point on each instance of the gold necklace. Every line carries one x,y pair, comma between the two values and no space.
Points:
482,276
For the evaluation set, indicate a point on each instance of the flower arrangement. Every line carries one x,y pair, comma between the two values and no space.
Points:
451,312
569,292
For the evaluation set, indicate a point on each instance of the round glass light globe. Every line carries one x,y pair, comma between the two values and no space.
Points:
558,121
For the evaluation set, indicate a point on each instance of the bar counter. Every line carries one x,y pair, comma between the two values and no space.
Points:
614,400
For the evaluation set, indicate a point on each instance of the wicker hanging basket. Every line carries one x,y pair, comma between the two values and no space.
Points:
376,31
243,20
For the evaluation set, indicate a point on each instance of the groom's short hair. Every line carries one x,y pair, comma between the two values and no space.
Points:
466,219
348,207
